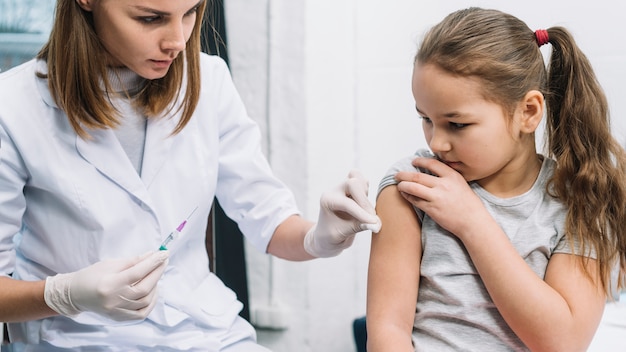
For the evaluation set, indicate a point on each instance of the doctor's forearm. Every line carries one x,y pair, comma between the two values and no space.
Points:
288,239
22,300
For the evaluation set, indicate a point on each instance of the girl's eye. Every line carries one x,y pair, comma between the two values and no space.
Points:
425,119
458,126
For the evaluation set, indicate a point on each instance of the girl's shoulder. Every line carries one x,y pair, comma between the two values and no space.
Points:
404,164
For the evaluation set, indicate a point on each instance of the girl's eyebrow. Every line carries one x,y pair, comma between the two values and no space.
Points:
163,13
449,115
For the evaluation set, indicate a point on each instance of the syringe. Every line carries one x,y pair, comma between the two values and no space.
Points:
176,233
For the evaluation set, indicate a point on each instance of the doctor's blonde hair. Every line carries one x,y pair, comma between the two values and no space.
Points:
76,68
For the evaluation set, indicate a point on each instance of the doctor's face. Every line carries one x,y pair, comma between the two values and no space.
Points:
143,35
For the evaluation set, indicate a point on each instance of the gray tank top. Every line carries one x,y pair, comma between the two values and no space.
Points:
454,312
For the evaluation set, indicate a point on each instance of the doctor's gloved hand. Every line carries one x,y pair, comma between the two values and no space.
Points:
344,211
119,289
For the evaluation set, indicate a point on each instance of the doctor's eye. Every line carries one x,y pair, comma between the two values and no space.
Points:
149,19
193,11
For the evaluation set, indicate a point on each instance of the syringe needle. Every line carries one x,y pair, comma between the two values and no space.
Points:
193,211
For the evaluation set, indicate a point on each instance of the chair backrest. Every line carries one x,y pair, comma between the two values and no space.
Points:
225,247
209,242
4,334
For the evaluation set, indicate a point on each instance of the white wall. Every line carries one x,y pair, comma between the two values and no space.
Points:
329,83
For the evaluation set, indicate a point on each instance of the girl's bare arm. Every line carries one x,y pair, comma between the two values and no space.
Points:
393,276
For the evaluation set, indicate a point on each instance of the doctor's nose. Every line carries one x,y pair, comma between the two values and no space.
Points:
175,39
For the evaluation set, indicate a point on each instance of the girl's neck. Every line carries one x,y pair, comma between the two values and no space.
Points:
516,178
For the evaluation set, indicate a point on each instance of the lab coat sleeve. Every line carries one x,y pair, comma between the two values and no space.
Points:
248,191
12,202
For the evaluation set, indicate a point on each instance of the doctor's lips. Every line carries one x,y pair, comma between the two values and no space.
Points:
162,63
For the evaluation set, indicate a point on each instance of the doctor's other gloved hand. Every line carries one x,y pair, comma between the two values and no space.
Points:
119,289
344,211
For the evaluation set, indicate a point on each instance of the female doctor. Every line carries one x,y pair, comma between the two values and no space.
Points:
118,132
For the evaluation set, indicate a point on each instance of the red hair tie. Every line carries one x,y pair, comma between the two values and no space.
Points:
542,37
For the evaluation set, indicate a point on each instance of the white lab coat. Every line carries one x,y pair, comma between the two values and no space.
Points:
68,202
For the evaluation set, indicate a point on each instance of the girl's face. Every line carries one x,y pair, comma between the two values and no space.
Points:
143,35
470,134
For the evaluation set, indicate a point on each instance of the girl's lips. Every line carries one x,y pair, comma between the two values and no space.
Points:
452,164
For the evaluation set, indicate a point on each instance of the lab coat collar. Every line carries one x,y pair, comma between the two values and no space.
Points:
158,144
42,84
103,150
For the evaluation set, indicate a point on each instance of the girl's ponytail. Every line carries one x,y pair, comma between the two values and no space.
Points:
591,165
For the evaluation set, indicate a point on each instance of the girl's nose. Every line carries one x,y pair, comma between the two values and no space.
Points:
439,141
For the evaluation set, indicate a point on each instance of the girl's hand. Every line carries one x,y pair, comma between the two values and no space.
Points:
445,196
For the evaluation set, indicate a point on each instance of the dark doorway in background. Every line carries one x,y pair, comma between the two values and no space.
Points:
225,239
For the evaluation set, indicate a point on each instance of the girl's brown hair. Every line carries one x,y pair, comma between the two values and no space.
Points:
502,52
76,67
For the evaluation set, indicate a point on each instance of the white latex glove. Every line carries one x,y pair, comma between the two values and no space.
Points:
119,289
344,211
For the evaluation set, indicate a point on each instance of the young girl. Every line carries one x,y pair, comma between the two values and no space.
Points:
112,137
503,249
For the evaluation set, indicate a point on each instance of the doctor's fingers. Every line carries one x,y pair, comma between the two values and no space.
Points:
356,175
357,188
342,205
137,309
119,265
145,273
145,287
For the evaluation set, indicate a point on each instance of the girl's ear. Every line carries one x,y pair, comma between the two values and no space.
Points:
85,4
532,111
